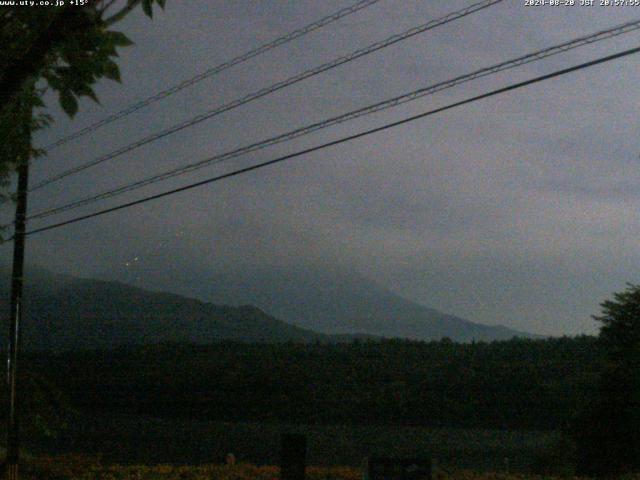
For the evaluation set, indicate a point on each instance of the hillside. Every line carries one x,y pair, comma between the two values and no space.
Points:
325,300
63,312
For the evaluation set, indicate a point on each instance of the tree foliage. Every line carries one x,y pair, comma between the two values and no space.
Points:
517,384
608,433
65,49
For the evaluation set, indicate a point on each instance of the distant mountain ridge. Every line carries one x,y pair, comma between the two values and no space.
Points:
325,300
63,312
66,313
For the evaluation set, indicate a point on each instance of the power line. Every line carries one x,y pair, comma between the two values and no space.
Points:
273,88
602,35
535,56
214,71
492,93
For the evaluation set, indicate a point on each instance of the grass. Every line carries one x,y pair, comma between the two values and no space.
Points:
74,467
133,439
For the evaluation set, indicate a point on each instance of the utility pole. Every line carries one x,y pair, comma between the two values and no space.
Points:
13,431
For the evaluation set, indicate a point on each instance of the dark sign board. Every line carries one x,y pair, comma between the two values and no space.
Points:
293,456
385,468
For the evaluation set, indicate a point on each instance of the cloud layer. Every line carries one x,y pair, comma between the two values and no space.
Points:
519,210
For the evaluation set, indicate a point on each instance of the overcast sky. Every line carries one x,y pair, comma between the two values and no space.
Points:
518,210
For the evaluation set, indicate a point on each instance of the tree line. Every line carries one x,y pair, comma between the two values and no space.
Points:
517,384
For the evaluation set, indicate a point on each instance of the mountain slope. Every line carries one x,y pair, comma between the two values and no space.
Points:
327,301
64,312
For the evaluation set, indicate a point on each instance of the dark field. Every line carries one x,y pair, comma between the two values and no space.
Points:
482,406
144,440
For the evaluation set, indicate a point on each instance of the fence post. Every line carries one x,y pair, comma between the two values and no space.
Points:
293,456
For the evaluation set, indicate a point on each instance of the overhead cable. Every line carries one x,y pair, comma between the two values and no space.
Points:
214,71
190,186
271,89
395,101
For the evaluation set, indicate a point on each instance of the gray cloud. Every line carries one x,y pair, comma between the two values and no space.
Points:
516,210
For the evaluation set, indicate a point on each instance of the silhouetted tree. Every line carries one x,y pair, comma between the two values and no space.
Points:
66,49
608,433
